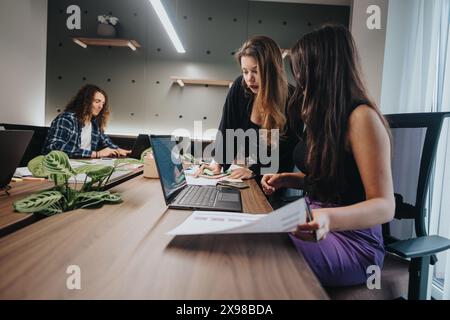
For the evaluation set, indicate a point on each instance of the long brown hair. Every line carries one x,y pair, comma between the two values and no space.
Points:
326,68
272,96
81,105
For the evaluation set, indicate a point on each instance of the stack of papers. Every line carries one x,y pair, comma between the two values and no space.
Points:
190,180
22,172
282,220
202,181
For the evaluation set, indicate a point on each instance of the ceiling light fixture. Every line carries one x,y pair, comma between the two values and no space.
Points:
162,14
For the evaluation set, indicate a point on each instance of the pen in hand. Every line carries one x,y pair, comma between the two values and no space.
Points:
309,218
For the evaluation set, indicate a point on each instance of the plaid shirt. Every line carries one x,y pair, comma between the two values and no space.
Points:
65,135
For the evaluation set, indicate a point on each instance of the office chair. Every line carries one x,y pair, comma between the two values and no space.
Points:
415,141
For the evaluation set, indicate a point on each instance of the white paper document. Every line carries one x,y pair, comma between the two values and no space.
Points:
22,172
190,180
203,181
282,220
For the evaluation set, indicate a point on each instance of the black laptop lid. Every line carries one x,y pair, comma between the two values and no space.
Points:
169,165
142,143
13,144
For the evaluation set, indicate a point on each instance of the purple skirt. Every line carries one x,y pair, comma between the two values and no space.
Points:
343,257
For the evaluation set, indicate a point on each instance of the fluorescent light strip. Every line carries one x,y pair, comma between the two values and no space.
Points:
162,14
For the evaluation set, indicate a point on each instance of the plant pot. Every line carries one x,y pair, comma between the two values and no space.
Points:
106,30
150,170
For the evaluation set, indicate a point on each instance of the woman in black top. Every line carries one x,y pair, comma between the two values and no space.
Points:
344,157
256,101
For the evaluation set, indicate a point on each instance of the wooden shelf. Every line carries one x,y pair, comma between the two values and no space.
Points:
183,80
84,42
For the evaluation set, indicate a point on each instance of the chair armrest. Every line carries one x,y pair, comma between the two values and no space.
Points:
419,247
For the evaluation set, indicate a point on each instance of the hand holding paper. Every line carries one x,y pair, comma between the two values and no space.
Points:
282,220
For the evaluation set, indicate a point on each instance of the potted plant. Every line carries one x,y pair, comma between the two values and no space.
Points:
107,26
65,196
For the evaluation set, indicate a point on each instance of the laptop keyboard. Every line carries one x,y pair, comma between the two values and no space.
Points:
199,196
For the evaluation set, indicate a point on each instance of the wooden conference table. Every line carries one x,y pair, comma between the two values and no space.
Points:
123,252
11,221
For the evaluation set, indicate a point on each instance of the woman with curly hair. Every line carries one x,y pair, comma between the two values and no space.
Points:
79,130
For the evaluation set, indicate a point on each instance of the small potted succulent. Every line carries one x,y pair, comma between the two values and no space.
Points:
107,26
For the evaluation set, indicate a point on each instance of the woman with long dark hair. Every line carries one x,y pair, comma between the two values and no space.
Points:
79,130
257,100
344,157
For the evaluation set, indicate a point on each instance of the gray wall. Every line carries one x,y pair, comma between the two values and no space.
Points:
23,38
152,102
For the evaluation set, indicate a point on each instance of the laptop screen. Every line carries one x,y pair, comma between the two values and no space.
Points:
13,143
168,161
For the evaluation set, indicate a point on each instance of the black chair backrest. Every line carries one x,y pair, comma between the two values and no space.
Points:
36,144
415,141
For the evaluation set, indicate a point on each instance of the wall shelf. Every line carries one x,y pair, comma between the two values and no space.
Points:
84,42
184,80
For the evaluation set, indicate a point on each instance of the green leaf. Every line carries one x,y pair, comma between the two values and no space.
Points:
124,161
144,153
86,196
89,168
113,198
94,198
38,202
59,179
36,167
99,172
57,162
50,211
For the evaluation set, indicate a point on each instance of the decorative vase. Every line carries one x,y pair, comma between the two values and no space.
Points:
106,30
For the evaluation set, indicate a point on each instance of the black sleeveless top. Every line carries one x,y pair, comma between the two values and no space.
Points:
353,191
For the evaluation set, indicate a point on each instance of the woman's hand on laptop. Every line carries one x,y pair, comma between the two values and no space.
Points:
107,152
123,152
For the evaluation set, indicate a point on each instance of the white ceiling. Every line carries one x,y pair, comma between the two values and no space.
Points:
330,2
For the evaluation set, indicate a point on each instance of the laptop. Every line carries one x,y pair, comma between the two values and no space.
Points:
13,144
142,143
177,193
